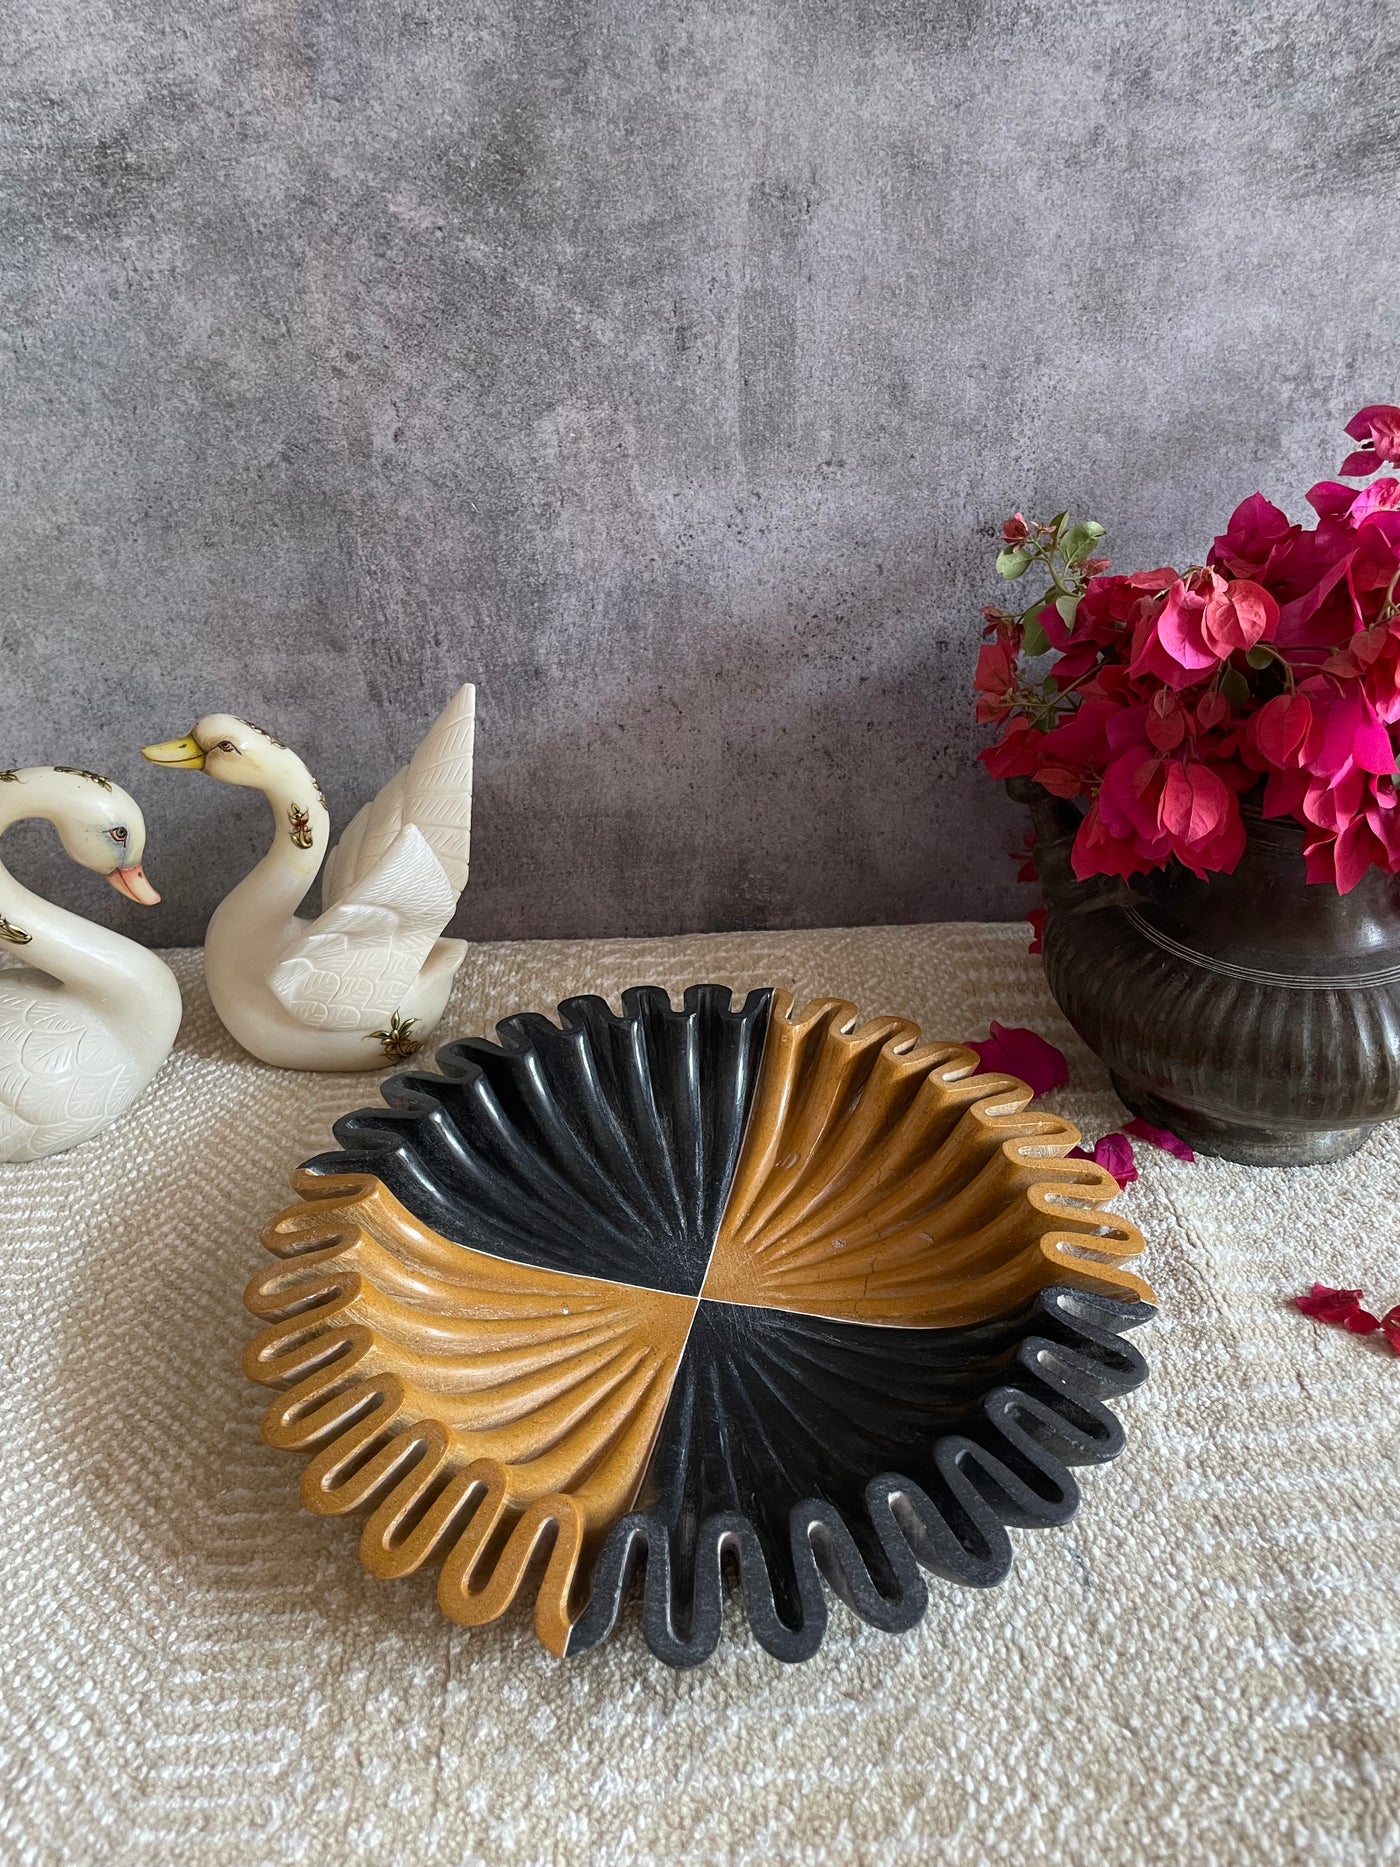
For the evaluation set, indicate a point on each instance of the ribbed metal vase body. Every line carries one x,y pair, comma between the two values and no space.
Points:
1256,1014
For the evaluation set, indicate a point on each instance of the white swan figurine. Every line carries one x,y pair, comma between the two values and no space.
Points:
88,1017
369,978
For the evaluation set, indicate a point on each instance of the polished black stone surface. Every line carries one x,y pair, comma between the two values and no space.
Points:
604,1145
796,1449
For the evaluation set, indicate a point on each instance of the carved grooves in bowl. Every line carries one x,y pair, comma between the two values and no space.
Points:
605,1286
603,1144
886,1179
984,1422
488,1409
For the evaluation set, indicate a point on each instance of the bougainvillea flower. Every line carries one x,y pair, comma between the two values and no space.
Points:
1238,615
1170,644
1382,495
1200,625
1390,1327
1110,606
1161,708
1332,801
1097,850
1016,753
1112,1152
1256,530
1352,731
1193,803
1036,917
1325,1304
1344,858
1129,797
1025,1054
1079,741
1166,720
1377,428
1199,815
994,683
1143,1130
1279,729
1352,505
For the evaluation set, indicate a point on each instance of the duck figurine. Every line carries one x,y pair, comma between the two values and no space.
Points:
369,977
87,1017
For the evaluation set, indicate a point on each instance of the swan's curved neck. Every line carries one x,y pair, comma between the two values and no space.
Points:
108,972
274,889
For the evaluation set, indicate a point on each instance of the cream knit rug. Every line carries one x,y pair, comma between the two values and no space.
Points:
1204,1667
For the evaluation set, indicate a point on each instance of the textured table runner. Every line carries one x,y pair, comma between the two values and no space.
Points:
1204,1666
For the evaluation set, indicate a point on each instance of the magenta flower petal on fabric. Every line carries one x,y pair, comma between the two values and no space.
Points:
1342,1308
1324,1303
1158,1137
1361,1321
1022,1053
1114,1153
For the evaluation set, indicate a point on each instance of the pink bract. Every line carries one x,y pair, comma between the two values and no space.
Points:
1112,1152
1163,1138
1324,1303
1273,669
1019,1052
1378,430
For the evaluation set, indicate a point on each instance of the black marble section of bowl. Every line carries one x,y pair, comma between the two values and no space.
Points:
603,1146
796,1448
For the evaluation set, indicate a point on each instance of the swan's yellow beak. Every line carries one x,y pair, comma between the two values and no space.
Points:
187,753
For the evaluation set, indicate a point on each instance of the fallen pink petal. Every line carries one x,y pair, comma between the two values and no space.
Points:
1361,1321
1324,1303
1163,1138
1112,1152
1022,1053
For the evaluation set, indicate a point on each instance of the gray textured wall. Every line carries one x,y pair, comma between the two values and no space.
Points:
666,369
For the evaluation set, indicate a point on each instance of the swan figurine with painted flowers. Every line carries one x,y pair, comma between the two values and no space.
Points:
367,979
87,1017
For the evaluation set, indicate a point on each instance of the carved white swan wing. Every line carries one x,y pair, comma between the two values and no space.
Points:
352,967
434,791
390,887
62,1076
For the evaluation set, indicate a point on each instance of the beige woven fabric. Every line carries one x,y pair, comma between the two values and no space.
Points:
1204,1667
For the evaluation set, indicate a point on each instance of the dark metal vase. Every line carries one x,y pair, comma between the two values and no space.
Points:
1256,1015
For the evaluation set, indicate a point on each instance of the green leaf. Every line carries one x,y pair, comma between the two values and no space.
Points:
1067,606
1035,641
1235,687
1260,655
1080,540
1013,561
1057,523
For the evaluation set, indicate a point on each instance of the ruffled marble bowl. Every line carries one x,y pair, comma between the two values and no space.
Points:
671,1295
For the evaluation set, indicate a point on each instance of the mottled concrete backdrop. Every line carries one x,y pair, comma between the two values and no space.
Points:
664,367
